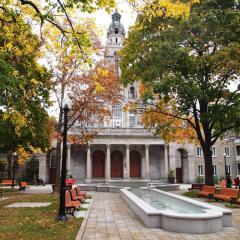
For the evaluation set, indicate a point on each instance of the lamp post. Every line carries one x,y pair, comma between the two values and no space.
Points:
225,165
13,171
62,215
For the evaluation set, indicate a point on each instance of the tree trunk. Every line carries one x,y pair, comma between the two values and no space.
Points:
9,165
208,165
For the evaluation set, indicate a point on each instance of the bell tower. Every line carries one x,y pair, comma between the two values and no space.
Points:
115,37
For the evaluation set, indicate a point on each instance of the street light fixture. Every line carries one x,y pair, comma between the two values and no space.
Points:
15,157
62,215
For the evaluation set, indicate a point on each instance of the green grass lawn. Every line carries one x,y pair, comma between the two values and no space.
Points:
34,223
191,194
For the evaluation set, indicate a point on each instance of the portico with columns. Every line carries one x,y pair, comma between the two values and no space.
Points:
116,156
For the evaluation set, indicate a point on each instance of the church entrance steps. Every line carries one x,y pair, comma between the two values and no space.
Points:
133,183
98,180
113,185
116,185
158,182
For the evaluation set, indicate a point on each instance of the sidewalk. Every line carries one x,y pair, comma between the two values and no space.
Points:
111,218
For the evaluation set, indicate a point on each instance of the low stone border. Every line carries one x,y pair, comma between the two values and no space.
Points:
100,188
84,222
211,220
3,198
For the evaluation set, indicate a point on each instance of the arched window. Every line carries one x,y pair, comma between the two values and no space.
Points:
132,93
116,30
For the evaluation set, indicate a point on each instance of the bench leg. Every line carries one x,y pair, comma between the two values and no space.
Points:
69,210
233,201
73,209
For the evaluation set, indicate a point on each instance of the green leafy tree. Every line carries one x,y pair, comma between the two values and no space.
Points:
24,89
194,60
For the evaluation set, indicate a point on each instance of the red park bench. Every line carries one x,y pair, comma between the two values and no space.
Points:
196,186
70,205
23,186
207,191
7,182
227,194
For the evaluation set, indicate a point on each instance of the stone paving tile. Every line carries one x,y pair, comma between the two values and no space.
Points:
111,219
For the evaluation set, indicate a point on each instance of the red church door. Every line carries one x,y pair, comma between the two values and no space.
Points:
135,164
116,164
179,175
98,164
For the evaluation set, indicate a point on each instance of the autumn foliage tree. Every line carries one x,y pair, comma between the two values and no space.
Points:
167,125
194,61
77,76
55,13
91,95
24,88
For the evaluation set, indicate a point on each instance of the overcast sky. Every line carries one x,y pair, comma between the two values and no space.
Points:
103,19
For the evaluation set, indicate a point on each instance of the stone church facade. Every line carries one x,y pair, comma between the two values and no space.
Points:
124,151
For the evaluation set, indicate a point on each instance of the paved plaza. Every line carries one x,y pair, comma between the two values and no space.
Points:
111,218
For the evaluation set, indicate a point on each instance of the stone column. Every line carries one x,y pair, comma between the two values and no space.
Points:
88,179
69,170
190,169
147,161
166,160
43,171
108,163
127,161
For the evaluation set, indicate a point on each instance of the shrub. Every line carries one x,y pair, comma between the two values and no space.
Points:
221,178
199,179
215,179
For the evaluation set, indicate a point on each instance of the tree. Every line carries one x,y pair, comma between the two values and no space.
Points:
52,12
90,87
194,61
166,125
24,89
91,94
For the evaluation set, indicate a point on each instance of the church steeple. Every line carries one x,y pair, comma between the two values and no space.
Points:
116,16
115,37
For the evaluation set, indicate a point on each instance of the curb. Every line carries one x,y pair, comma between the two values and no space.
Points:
84,222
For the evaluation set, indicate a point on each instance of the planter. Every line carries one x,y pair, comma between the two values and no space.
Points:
171,179
79,214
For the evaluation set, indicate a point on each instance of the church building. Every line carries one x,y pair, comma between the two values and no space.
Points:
124,151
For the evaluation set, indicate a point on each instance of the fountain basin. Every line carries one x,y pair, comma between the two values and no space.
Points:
159,209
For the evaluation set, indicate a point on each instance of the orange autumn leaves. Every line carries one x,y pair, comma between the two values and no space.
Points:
92,96
94,92
162,117
167,127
